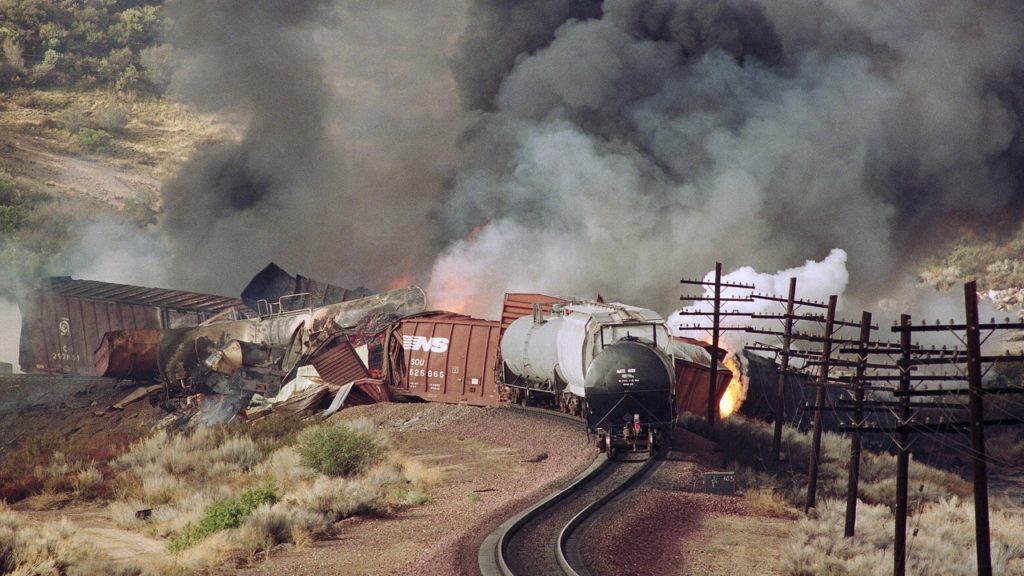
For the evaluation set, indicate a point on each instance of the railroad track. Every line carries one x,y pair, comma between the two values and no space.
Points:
545,538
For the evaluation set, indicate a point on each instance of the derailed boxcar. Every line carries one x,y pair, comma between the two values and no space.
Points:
64,320
444,357
693,366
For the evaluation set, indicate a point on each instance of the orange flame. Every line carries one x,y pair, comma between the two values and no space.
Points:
734,395
399,282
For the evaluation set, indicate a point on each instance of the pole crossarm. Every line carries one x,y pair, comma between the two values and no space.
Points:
993,325
808,303
928,428
709,299
719,284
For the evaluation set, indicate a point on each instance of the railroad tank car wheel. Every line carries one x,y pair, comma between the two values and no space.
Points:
608,448
651,448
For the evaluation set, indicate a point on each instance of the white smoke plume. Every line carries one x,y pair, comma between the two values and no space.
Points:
815,281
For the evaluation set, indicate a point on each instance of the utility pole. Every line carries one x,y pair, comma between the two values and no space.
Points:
784,353
858,419
780,387
716,298
899,550
981,526
967,361
819,404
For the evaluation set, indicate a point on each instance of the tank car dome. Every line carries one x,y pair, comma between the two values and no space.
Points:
629,366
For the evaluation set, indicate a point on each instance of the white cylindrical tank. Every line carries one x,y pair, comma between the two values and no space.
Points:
530,350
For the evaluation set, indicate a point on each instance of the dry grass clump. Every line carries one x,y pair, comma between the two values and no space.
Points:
284,466
768,502
940,540
747,446
51,549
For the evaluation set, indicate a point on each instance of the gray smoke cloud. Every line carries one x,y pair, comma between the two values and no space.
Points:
644,143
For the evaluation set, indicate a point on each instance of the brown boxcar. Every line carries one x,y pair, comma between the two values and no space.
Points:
444,357
693,366
519,304
63,321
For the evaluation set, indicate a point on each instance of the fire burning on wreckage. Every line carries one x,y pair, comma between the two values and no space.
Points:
291,345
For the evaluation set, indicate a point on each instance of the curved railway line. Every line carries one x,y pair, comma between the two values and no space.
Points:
545,539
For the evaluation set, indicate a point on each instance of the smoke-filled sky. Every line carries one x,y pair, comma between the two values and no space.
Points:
591,147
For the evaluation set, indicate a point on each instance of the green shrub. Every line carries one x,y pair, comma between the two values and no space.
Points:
95,140
223,515
11,218
158,63
338,450
8,192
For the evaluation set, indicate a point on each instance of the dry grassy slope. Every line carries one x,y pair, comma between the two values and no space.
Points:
37,147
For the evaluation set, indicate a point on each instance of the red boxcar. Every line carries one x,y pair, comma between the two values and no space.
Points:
444,357
693,367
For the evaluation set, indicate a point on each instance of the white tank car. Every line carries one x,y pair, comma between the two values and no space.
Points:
609,364
557,351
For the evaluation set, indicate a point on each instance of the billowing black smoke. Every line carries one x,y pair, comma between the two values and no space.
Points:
584,147
348,120
644,142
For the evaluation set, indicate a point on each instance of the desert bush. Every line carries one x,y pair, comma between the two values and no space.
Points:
768,502
339,450
8,192
113,118
85,481
159,487
74,119
11,218
95,140
189,509
272,524
338,498
940,541
123,514
224,514
747,446
419,473
158,64
285,467
23,471
187,453
142,208
240,451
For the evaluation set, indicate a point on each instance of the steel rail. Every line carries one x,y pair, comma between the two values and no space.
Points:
575,566
491,558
